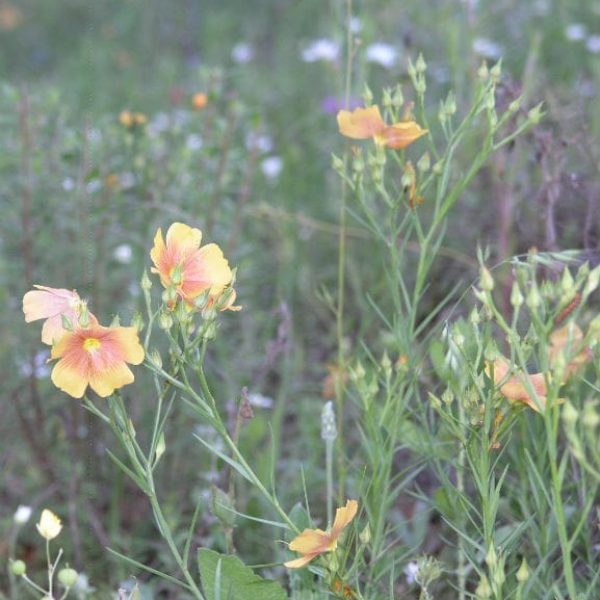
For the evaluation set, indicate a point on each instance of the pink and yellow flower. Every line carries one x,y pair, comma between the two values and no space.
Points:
96,356
192,270
53,304
313,542
365,123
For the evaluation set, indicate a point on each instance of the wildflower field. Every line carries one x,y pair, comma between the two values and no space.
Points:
301,300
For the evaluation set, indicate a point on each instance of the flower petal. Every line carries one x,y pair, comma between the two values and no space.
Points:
104,383
400,135
69,378
300,562
183,237
361,123
311,541
129,342
343,516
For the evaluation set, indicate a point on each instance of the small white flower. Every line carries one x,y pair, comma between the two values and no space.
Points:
123,254
260,401
68,184
49,526
411,570
271,167
575,32
193,142
242,53
321,49
487,48
593,44
382,54
22,514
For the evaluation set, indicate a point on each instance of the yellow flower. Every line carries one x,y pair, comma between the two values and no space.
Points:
365,123
313,542
53,304
132,119
569,339
199,100
49,526
191,269
96,356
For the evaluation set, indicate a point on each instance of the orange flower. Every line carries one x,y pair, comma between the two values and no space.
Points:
365,123
192,270
313,542
52,304
515,387
96,356
199,100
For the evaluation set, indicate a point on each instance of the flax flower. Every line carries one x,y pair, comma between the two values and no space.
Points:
96,356
313,542
189,268
569,340
52,304
199,101
516,388
49,526
365,123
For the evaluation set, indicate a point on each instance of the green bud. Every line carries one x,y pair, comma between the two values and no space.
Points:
474,317
450,104
358,163
420,65
407,179
155,357
483,590
496,70
145,282
592,281
566,281
365,535
515,105
438,168
535,114
176,275
18,568
412,72
569,414
523,572
486,281
161,446
424,163
67,324
68,577
116,321
420,86
533,299
483,71
138,321
516,298
367,95
165,321
448,396
397,97
491,558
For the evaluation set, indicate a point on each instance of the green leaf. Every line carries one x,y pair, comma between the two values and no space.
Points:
234,580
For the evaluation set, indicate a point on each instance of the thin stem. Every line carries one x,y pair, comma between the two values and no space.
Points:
329,470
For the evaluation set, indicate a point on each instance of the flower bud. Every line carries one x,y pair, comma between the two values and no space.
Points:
486,281
155,358
592,281
491,558
145,282
496,70
535,114
386,98
450,104
337,163
569,414
516,298
397,97
566,281
424,163
68,577
367,95
160,447
483,590
523,572
365,535
589,417
165,321
18,568
138,321
483,71
515,105
222,506
420,65
22,514
533,299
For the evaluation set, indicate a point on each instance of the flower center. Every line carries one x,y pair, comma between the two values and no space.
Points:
91,345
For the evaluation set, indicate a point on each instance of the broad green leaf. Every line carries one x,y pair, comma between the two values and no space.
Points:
228,577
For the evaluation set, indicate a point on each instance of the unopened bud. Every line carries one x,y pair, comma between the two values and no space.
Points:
523,572
486,281
483,590
397,97
145,282
592,281
386,98
534,299
155,358
365,535
161,446
420,65
483,72
496,70
367,95
566,281
491,558
515,105
337,163
424,163
450,104
222,506
589,417
18,568
68,577
569,414
138,321
535,114
165,321
516,298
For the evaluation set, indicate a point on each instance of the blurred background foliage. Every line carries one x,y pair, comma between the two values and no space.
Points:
82,196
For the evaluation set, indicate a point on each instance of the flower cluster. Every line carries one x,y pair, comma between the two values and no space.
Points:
90,354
